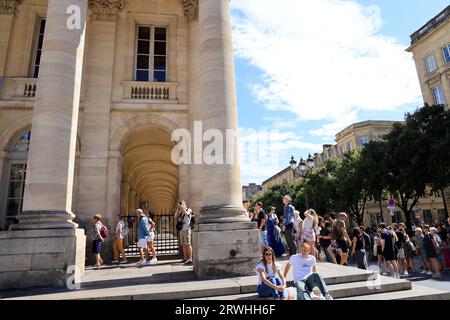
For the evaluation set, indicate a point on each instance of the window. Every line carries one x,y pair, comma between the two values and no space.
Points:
438,96
330,153
446,52
38,48
16,186
349,146
431,64
427,216
363,141
397,218
151,54
376,219
23,144
442,215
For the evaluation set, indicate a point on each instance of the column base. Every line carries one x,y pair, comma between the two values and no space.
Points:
41,258
225,249
35,220
222,214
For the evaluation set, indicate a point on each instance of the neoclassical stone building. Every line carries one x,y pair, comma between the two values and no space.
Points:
86,116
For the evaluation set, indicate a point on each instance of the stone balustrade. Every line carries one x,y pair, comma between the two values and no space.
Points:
25,87
154,91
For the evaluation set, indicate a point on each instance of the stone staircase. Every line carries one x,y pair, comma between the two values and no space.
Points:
170,280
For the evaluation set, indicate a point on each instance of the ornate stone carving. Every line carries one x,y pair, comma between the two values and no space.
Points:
9,6
105,10
191,8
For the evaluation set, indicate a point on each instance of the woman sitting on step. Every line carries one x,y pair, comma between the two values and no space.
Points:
271,281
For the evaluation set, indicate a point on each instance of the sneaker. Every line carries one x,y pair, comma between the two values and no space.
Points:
123,262
436,276
328,297
405,273
423,272
154,261
429,273
188,262
115,261
141,262
146,263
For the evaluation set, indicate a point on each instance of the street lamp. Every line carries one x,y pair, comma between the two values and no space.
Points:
302,170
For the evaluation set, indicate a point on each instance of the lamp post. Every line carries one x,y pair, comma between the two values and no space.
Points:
302,170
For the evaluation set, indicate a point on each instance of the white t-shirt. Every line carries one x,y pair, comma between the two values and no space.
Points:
269,273
308,222
302,267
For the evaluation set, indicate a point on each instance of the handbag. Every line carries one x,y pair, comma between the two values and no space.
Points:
179,225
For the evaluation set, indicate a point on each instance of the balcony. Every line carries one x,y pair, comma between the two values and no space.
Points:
144,92
23,88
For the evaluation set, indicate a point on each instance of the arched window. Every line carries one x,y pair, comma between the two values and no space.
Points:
16,173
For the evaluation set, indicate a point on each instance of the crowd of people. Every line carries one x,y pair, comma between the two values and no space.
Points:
312,238
145,234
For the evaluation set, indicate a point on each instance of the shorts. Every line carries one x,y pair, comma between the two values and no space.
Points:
142,243
379,251
342,244
401,254
151,237
185,237
96,246
263,238
309,235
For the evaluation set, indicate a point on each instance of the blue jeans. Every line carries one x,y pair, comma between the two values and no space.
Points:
263,238
327,254
305,287
265,291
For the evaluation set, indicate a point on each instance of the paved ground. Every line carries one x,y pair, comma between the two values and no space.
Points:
423,280
171,274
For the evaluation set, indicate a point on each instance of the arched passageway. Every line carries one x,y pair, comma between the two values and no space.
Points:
150,181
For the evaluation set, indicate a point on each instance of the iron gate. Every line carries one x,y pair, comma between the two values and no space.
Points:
166,236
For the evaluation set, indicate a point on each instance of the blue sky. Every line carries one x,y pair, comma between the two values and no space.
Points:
308,69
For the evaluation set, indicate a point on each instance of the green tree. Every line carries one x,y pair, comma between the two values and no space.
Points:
351,194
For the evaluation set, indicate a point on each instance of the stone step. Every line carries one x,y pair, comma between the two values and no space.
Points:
381,285
417,292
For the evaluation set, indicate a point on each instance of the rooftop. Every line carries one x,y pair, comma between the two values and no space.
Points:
431,25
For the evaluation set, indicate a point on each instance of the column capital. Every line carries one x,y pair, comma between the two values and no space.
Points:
105,10
9,6
191,8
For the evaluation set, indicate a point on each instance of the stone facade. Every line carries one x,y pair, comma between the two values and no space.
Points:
111,151
428,43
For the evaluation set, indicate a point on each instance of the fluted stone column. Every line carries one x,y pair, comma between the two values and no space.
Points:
124,198
226,243
45,248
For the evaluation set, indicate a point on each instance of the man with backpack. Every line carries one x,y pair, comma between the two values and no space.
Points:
186,222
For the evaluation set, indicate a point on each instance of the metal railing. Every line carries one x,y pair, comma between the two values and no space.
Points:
166,236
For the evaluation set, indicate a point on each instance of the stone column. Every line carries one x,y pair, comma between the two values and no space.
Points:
7,11
195,112
45,248
226,243
49,184
124,198
131,200
137,199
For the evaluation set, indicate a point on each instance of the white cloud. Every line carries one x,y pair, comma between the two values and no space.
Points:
263,153
323,59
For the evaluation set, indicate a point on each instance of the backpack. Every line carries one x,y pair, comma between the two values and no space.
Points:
104,231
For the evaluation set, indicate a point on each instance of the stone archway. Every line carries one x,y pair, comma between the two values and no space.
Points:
150,181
